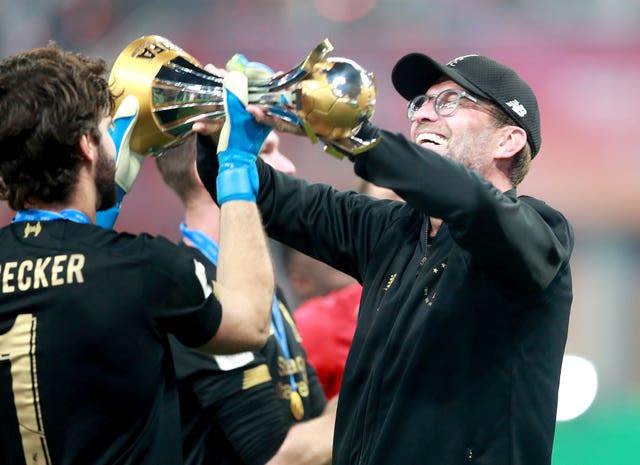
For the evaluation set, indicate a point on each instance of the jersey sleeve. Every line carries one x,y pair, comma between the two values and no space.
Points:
251,418
254,423
180,296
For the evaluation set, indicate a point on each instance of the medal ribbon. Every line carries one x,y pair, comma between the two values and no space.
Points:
203,243
45,215
209,249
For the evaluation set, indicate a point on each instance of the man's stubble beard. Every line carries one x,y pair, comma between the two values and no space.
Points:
468,152
105,180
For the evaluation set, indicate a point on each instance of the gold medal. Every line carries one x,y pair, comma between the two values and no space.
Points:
297,408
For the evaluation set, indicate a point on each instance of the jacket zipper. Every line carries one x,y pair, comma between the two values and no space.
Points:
423,260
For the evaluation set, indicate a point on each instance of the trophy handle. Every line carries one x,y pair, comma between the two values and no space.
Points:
280,81
277,96
352,145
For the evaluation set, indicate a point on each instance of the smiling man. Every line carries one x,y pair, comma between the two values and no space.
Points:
466,286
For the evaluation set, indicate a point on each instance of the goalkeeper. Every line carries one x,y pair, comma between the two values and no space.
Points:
85,367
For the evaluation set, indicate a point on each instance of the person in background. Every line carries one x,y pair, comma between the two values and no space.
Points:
326,319
466,286
255,407
85,367
311,278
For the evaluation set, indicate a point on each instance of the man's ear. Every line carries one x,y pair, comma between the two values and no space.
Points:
511,140
87,147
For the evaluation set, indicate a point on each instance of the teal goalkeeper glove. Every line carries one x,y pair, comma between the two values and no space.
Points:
240,141
255,71
128,162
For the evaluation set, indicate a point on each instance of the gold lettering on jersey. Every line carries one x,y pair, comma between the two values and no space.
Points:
284,389
74,268
302,366
390,282
18,345
8,277
32,229
55,270
39,276
303,388
24,278
288,368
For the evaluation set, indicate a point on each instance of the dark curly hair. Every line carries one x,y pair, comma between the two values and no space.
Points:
49,98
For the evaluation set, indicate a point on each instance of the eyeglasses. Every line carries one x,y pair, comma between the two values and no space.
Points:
446,102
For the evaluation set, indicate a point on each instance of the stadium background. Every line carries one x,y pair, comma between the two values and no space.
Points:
582,57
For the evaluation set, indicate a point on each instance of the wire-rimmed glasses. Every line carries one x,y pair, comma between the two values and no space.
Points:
446,102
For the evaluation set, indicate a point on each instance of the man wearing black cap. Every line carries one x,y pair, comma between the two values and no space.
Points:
467,288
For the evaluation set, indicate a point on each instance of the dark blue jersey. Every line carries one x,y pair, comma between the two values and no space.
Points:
236,409
86,375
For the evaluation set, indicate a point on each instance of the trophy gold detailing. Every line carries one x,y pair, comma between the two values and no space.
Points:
326,98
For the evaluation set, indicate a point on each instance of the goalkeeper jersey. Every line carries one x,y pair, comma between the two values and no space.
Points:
86,375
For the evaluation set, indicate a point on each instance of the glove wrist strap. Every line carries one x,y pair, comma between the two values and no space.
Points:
239,183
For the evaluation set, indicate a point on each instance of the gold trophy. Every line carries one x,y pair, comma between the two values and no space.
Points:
323,98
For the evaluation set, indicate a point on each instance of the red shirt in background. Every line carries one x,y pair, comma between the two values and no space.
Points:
326,325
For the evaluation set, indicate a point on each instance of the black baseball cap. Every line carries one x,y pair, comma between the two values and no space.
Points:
414,73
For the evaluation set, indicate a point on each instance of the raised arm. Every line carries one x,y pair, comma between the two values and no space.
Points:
522,241
245,280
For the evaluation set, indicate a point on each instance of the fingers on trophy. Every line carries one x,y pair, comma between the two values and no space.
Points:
324,98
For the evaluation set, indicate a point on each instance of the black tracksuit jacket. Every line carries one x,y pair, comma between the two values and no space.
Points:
457,353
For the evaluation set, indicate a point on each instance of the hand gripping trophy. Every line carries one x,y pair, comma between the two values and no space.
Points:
322,98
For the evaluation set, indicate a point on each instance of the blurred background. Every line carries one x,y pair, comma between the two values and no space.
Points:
582,57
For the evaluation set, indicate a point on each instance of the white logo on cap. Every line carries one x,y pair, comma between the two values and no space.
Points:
517,107
456,60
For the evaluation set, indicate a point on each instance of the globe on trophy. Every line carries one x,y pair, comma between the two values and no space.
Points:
326,98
